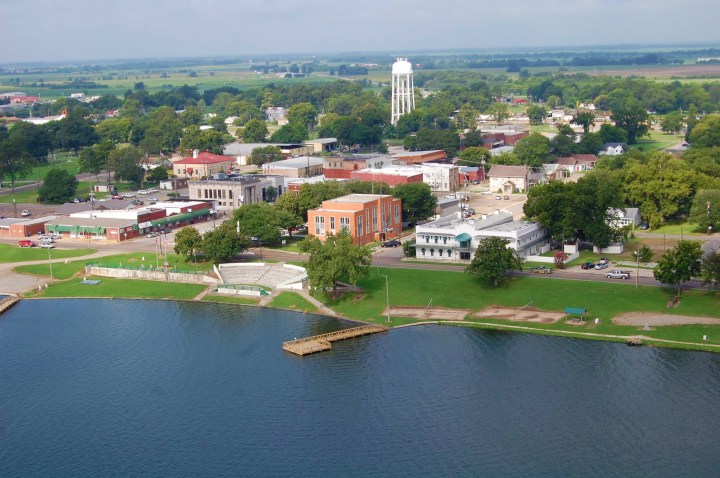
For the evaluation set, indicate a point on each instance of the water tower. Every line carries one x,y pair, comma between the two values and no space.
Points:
403,89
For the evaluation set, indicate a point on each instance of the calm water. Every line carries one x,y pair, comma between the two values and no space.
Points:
142,388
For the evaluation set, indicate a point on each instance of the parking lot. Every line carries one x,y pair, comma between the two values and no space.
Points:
488,203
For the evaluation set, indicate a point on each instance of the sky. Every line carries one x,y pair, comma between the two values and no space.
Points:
81,30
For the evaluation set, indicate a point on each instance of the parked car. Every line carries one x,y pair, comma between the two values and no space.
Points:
601,265
116,196
506,197
618,275
26,243
47,245
487,193
497,198
540,270
587,265
644,226
391,243
25,213
128,195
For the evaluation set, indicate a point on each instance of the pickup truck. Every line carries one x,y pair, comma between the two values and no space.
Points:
618,275
540,270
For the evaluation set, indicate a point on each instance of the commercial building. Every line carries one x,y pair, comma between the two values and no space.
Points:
367,217
342,167
23,227
453,238
441,177
202,165
417,157
300,167
322,145
230,192
392,176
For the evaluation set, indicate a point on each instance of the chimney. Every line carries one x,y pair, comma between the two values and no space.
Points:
195,153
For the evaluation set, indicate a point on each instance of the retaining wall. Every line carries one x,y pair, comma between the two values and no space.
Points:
151,275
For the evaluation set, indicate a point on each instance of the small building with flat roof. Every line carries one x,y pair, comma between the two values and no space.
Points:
300,167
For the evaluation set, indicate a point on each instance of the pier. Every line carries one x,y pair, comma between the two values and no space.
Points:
8,302
320,343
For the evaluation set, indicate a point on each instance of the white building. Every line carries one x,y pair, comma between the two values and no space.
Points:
441,177
452,238
619,218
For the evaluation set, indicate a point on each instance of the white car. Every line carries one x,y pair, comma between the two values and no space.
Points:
128,195
25,213
47,245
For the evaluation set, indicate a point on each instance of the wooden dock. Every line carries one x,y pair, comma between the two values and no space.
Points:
320,343
8,302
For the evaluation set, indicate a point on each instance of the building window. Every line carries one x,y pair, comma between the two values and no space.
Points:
230,194
465,256
345,224
440,252
432,252
332,223
444,240
436,239
422,251
319,225
397,212
359,226
374,218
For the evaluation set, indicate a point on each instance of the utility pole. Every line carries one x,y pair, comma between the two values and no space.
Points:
387,297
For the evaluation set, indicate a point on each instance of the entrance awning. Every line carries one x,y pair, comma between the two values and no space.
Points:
464,237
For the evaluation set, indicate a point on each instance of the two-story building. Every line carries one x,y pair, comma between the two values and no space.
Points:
367,217
509,178
453,238
202,165
300,167
230,192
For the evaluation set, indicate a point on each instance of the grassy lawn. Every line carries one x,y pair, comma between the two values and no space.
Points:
21,197
291,300
658,141
680,228
121,288
408,287
231,299
134,259
13,253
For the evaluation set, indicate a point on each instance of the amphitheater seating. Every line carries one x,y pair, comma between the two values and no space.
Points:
269,275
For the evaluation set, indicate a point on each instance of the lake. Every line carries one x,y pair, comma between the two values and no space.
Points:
124,388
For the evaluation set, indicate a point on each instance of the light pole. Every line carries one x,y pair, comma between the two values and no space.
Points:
387,297
50,265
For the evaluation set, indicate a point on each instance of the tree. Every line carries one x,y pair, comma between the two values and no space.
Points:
203,140
562,145
94,159
474,156
303,114
500,111
290,133
59,186
255,131
126,161
336,260
258,220
711,269
468,116
706,133
533,150
645,253
633,118
692,120
417,201
157,174
612,134
679,265
76,130
265,154
223,243
163,131
672,122
585,119
312,195
444,139
493,259
590,143
188,241
705,209
536,114
15,161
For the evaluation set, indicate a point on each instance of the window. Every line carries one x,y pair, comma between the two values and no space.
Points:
319,225
444,240
359,226
436,239
440,252
432,252
230,194
332,223
374,218
422,251
397,212
345,224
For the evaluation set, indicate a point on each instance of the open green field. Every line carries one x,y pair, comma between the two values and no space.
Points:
292,300
658,141
121,288
13,253
680,228
418,288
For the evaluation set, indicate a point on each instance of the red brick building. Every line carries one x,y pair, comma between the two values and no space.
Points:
391,176
202,165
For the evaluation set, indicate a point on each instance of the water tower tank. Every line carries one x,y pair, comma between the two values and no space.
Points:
403,89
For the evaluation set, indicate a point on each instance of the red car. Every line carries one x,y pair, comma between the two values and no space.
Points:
26,243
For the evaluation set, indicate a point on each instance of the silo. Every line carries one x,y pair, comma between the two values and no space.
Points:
403,89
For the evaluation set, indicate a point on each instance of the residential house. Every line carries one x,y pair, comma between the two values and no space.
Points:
620,218
585,162
509,178
614,149
367,217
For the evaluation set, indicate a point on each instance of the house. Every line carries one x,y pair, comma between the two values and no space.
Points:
584,161
300,167
275,113
202,165
367,217
230,192
614,149
619,218
553,171
519,101
568,165
453,238
509,178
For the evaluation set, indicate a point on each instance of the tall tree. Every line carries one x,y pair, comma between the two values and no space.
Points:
493,260
335,260
223,243
290,133
76,130
533,150
303,114
187,242
705,209
258,220
679,265
255,131
711,269
633,118
585,119
706,133
500,111
127,161
536,114
672,122
417,201
59,186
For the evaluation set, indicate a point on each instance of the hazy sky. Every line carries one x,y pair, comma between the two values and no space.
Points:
57,30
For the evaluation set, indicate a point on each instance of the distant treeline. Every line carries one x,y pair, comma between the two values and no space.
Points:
77,85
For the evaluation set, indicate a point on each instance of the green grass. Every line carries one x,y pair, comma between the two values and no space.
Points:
14,253
410,287
121,288
292,300
231,299
133,259
679,228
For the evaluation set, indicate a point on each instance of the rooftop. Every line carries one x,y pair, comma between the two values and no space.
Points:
358,198
206,158
299,162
